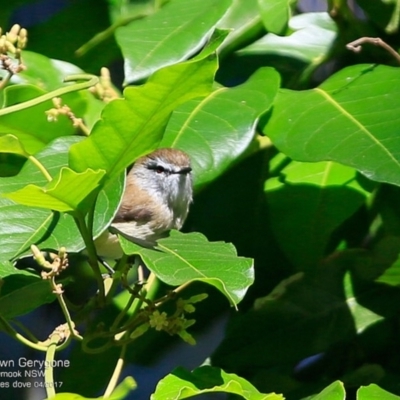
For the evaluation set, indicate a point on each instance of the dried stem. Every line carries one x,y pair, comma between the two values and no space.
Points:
356,46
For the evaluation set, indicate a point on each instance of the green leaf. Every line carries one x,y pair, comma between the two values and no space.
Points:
363,316
182,384
326,195
335,391
311,38
22,226
306,314
11,144
244,22
44,72
15,291
133,126
174,33
49,74
392,275
374,392
120,393
183,258
275,14
65,193
218,129
30,125
352,118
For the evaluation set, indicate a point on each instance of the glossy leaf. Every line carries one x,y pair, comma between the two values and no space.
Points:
65,193
335,391
11,144
275,14
22,226
174,33
183,258
244,21
49,74
182,384
44,72
133,126
311,38
31,125
17,289
374,392
326,195
218,129
351,118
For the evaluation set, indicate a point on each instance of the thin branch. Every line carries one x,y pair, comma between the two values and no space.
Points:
356,46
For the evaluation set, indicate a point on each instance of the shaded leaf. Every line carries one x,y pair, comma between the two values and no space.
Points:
244,22
174,33
218,129
374,392
183,258
120,393
30,125
22,226
182,384
275,14
49,74
335,391
303,316
351,118
311,38
11,144
133,126
325,193
17,288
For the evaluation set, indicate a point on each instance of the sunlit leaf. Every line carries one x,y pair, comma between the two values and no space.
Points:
218,129
351,118
311,38
22,226
182,384
174,33
183,258
374,392
133,126
65,193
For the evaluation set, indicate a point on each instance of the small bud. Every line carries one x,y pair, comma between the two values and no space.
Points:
3,44
139,331
12,36
22,38
187,337
197,298
38,256
52,115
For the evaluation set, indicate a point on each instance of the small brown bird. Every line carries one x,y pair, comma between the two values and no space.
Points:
157,196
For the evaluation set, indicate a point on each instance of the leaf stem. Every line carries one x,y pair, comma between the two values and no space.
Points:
14,334
92,254
48,369
90,80
116,374
104,35
41,167
356,46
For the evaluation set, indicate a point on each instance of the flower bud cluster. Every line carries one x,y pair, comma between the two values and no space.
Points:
11,44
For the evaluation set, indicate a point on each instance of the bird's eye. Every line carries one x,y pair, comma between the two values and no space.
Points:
159,169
